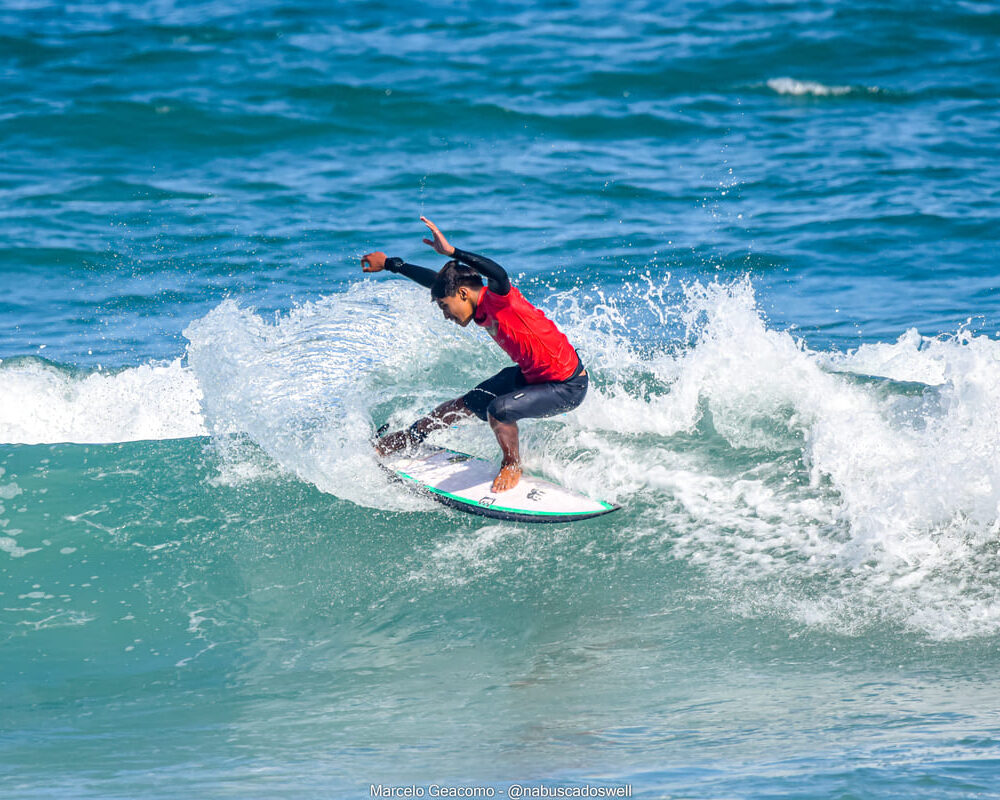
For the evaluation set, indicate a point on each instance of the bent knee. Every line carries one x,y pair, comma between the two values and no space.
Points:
477,402
502,410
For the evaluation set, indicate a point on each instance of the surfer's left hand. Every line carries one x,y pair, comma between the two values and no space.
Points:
439,243
373,262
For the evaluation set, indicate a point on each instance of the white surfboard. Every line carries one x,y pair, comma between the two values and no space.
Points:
464,482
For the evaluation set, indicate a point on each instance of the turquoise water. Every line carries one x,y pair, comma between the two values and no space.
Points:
771,229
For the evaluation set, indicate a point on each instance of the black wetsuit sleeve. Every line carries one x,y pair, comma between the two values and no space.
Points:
425,277
495,275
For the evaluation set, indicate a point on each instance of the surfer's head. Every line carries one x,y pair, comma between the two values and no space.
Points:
456,291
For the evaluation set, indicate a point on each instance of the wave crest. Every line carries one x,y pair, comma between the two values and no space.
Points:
797,88
43,403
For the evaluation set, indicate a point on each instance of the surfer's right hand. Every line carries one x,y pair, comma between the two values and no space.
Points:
373,262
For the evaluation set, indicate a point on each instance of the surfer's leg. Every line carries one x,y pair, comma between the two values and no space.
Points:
474,402
479,401
441,417
510,467
529,400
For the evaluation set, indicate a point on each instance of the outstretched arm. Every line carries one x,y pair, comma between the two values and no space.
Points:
377,261
496,275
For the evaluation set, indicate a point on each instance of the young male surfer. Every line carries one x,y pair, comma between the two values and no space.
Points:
549,377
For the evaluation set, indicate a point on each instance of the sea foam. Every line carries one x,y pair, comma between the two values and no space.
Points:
43,403
873,502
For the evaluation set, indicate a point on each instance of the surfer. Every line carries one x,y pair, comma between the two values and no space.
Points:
549,377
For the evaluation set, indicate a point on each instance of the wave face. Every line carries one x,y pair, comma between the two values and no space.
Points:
771,231
765,463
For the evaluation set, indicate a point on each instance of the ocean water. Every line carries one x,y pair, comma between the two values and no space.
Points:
771,229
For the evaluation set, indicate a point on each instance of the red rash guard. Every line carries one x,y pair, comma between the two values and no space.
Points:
537,346
530,338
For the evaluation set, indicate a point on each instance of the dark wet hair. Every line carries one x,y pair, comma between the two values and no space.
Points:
452,277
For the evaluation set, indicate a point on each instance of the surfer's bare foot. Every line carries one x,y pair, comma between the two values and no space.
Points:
507,478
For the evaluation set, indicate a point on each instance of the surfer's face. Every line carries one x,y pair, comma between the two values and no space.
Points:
458,307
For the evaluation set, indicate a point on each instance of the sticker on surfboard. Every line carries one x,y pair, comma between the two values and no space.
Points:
464,482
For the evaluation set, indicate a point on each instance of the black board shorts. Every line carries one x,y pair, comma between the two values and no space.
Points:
508,397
